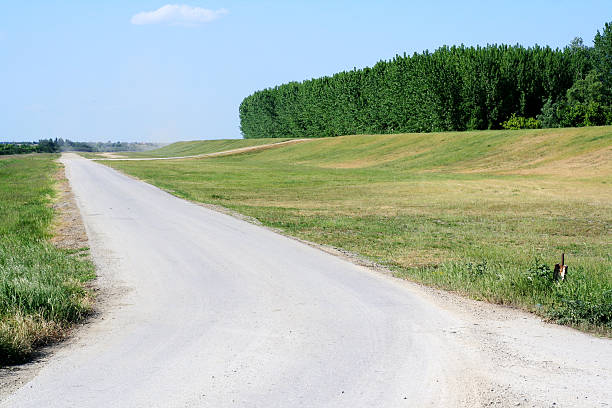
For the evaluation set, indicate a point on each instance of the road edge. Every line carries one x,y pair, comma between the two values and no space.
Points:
450,300
68,232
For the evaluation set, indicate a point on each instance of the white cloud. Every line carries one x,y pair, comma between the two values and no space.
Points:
178,14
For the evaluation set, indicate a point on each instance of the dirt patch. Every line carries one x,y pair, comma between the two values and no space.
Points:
112,155
68,228
254,148
591,164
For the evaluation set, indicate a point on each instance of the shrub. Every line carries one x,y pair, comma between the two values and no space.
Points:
520,122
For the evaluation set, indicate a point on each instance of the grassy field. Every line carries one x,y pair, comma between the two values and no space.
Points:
486,214
41,287
195,147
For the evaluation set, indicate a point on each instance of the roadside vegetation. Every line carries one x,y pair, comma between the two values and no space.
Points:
486,213
452,88
42,288
60,145
42,146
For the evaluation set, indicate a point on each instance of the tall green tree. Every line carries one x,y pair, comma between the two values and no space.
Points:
452,88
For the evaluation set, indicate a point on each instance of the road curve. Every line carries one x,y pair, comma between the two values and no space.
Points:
205,310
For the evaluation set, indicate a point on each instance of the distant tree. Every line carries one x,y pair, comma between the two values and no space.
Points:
47,146
17,148
577,44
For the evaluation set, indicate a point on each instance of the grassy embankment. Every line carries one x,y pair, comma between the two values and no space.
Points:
192,148
486,214
41,287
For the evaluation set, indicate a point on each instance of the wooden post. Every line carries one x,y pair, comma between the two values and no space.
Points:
560,269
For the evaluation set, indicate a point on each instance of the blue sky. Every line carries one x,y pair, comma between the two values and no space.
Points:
93,70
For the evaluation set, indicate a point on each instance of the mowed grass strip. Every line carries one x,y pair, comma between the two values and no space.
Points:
42,288
196,147
486,214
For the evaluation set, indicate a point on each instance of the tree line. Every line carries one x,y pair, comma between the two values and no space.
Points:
42,146
452,88
60,145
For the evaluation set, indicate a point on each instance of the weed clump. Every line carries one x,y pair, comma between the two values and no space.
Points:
41,287
582,300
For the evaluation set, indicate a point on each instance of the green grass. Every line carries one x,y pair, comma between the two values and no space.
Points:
41,287
486,214
197,147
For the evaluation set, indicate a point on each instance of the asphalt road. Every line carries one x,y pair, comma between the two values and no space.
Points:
201,309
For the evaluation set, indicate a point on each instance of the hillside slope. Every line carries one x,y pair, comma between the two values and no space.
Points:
197,147
547,151
487,214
